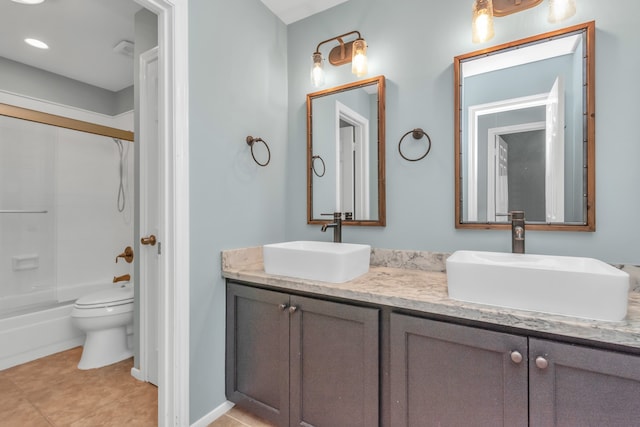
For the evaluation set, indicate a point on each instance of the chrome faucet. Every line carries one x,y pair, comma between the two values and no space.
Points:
517,231
336,225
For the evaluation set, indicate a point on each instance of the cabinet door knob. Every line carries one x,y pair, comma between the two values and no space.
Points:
516,356
282,307
292,309
541,362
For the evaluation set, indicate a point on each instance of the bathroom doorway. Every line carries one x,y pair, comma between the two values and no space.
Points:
173,137
172,107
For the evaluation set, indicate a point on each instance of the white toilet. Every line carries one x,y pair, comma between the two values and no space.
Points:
104,317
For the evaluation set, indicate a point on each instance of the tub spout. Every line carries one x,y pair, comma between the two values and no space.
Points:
123,278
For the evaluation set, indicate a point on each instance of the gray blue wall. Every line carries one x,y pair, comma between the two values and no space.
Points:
413,44
238,87
22,79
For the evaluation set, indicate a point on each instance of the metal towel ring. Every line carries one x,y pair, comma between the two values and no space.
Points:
313,166
250,141
417,134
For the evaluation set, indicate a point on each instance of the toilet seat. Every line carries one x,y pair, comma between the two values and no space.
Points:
108,298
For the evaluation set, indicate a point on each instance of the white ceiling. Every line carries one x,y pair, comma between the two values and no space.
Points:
293,10
81,35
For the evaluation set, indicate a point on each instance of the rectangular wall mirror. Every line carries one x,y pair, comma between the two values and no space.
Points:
525,132
345,153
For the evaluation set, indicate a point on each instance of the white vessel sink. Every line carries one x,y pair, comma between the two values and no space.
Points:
571,286
324,261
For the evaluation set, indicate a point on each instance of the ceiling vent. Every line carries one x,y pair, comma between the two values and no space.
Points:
125,47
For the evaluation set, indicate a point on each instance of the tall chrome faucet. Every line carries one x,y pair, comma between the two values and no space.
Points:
517,231
336,225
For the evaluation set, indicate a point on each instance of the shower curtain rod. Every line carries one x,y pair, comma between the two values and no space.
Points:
63,122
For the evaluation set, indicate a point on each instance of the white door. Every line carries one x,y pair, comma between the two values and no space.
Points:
151,176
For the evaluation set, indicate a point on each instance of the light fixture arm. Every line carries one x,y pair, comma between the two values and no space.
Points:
339,39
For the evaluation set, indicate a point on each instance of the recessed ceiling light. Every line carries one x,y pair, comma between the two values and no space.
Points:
28,1
37,43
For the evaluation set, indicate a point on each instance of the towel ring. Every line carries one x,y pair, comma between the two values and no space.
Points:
250,141
313,166
417,134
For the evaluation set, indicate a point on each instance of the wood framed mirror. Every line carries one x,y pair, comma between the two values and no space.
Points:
525,132
346,153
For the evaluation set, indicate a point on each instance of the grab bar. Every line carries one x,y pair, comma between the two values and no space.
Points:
22,211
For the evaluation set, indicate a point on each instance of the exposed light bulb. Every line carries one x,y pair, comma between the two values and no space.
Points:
359,63
559,10
317,72
37,43
482,23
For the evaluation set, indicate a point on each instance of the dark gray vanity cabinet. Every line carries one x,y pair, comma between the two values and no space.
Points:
443,374
299,361
257,352
572,385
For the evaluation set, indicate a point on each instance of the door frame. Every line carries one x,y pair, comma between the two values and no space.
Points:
493,134
173,117
475,112
361,133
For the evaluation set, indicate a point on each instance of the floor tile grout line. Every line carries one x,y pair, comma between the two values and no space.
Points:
236,419
25,395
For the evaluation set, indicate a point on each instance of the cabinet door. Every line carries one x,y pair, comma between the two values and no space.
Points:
579,386
451,375
257,359
334,364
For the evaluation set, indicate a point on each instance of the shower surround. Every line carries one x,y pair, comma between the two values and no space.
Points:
60,230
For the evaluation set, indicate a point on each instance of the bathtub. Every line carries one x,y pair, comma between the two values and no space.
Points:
42,331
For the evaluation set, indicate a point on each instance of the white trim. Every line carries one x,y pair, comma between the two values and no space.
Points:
173,361
137,374
213,415
68,111
361,125
554,158
475,111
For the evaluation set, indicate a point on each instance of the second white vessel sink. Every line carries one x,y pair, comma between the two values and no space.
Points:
324,261
572,286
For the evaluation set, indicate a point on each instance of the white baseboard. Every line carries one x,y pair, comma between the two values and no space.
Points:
213,415
137,374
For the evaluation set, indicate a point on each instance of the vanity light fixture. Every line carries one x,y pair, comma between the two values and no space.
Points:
482,23
559,10
485,10
28,1
354,51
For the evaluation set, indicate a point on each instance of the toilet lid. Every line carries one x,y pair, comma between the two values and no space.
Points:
117,296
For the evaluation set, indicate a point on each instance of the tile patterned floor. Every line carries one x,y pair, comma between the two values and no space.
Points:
237,417
52,391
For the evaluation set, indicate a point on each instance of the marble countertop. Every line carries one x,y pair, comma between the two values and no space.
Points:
417,281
